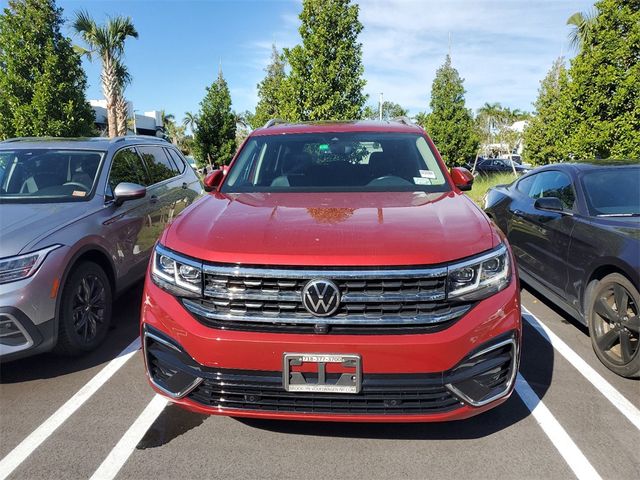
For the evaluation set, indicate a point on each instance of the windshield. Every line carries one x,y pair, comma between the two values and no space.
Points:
613,192
331,162
47,175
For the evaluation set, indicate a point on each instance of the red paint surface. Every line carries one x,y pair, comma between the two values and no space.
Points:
335,229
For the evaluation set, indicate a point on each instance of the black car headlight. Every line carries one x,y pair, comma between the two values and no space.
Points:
480,277
179,275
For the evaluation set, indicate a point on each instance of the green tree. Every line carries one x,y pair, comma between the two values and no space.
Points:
603,94
42,84
548,128
270,96
215,136
582,24
390,110
190,121
450,123
325,81
108,42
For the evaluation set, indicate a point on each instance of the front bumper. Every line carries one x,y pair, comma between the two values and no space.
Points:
28,309
452,374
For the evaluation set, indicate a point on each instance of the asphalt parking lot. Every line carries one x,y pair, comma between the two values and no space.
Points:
97,417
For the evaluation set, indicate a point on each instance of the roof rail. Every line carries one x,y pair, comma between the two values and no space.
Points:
274,121
137,137
403,119
19,139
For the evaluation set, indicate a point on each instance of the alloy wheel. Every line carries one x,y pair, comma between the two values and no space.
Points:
89,302
617,324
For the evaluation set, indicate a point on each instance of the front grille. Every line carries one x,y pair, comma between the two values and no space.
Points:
381,394
372,301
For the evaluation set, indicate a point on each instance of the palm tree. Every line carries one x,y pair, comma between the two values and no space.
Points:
122,113
108,42
190,121
582,27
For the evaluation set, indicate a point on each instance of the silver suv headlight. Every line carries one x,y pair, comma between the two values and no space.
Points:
480,277
23,266
175,273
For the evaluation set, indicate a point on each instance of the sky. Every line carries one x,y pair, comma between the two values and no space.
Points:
501,48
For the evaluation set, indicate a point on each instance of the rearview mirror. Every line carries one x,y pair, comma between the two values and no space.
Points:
462,178
125,191
213,180
549,203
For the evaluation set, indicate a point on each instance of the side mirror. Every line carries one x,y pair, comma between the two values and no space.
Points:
462,178
552,204
213,180
125,191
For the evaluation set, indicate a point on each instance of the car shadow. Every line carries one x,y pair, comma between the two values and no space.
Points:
564,316
124,329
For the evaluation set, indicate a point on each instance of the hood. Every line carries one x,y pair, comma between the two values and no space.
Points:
21,224
338,229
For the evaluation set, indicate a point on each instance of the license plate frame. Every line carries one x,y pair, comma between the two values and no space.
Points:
348,382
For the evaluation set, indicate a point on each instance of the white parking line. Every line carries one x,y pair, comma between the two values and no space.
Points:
558,436
610,393
16,456
111,465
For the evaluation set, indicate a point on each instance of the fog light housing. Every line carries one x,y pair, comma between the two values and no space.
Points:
488,374
168,364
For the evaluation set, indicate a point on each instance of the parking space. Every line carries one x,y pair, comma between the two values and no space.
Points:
575,428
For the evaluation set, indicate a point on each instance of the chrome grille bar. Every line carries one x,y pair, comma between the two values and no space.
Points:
347,319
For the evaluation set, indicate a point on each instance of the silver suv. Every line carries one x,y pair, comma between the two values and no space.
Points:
78,221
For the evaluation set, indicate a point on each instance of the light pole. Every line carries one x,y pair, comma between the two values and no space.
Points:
380,109
135,125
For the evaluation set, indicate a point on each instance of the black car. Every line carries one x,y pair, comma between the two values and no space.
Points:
488,166
575,232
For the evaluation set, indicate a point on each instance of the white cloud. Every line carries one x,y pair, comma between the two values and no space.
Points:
501,48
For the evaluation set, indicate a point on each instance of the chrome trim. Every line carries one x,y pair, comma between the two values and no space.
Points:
162,341
499,250
9,349
508,385
350,319
305,274
174,395
346,298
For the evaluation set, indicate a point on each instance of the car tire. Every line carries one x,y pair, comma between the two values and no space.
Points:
615,334
85,310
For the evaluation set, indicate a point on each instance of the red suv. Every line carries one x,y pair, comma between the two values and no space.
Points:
335,272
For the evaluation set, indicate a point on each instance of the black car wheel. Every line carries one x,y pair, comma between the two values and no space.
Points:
85,310
614,325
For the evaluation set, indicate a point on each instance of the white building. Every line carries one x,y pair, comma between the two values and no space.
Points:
149,123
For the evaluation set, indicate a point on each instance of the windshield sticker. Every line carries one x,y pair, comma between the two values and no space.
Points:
421,181
427,174
78,193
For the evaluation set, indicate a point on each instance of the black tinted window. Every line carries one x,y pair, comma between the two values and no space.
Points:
615,191
525,184
159,165
177,160
127,167
553,184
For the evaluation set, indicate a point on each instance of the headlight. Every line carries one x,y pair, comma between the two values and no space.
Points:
480,277
22,266
178,275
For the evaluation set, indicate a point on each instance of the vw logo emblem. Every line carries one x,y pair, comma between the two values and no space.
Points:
321,297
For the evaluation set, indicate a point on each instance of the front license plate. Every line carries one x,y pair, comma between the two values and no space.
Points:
322,372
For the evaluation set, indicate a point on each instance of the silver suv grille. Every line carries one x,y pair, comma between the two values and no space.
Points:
398,298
